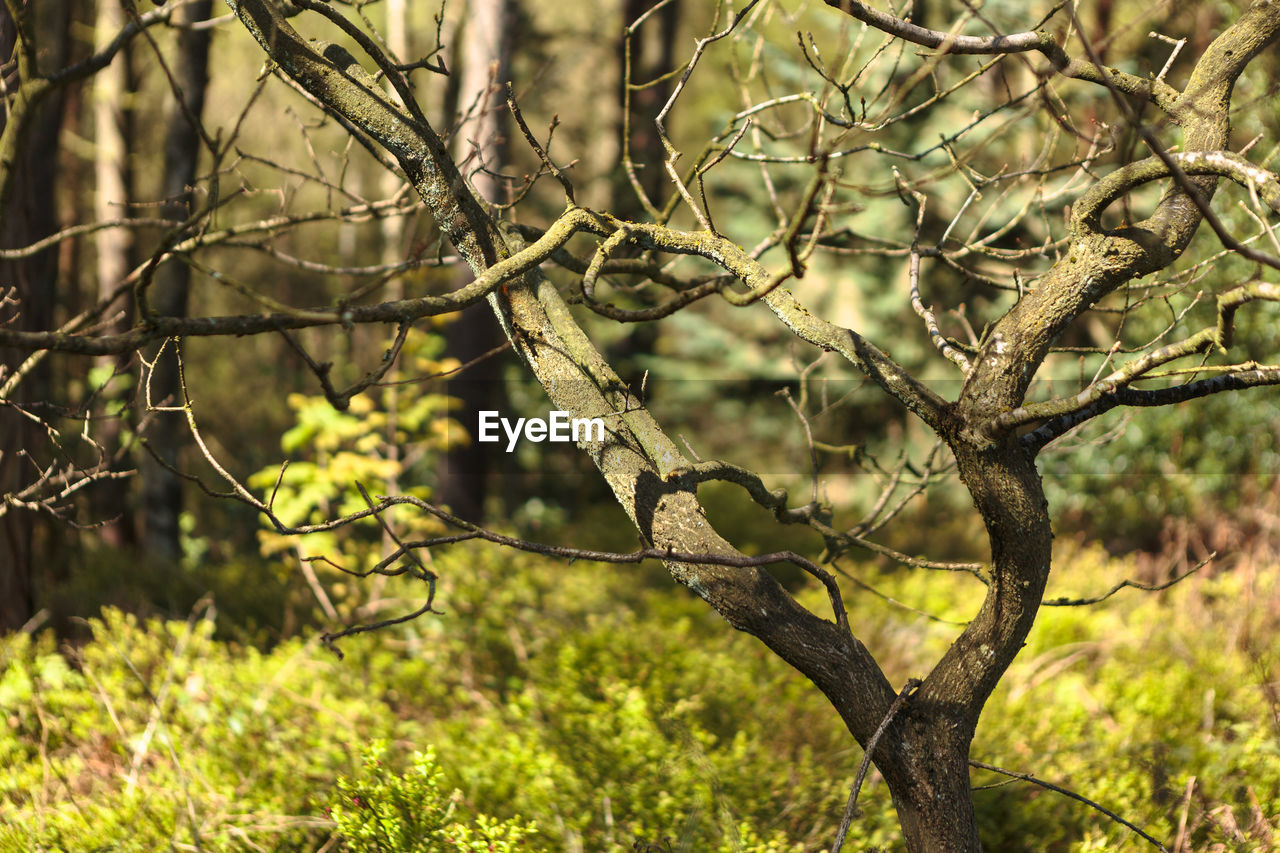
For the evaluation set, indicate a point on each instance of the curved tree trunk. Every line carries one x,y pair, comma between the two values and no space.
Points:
923,754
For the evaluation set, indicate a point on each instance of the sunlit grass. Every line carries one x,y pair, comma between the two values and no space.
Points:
608,712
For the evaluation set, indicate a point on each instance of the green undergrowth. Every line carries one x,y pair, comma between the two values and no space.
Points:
579,707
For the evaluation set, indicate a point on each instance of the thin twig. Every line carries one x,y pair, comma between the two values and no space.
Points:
851,808
1027,777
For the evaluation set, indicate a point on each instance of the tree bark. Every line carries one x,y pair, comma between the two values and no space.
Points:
934,798
112,123
486,48
27,214
161,489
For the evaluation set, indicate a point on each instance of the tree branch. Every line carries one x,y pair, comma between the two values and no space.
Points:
1087,212
1058,789
636,456
1219,336
1245,377
1158,92
1094,264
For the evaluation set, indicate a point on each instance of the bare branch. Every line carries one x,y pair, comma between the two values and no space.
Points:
1241,377
1226,164
673,154
1158,92
537,146
1088,400
1130,584
1027,777
925,313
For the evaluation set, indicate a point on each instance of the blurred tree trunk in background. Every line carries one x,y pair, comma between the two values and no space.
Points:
394,229
29,214
113,88
161,489
480,146
652,53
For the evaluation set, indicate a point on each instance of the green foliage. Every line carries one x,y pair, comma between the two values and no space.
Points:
557,707
386,438
575,696
155,734
410,812
1161,707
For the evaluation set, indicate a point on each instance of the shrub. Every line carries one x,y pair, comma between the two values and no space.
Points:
560,707
409,812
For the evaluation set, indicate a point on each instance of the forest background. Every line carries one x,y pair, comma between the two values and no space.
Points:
167,680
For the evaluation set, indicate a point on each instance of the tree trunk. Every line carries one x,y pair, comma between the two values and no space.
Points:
650,55
112,129
29,213
934,798
924,753
161,489
486,47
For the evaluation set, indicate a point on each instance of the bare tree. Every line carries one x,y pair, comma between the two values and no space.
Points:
851,132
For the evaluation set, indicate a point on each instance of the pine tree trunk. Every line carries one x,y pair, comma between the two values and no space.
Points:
29,214
111,124
161,489
486,47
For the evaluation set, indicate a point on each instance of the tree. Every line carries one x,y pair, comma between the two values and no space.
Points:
31,123
112,179
1050,290
183,145
484,59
